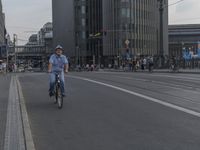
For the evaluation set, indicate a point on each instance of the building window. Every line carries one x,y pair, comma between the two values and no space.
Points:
83,9
83,35
83,21
125,12
124,0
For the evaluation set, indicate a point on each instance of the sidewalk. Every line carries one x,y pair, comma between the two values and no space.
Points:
14,127
4,93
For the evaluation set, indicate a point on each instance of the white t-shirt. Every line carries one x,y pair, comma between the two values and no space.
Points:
4,65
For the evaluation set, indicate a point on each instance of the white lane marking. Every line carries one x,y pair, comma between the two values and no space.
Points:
188,111
26,124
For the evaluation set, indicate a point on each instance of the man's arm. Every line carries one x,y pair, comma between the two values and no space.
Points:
66,67
49,68
50,64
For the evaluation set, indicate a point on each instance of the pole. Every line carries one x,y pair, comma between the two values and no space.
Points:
79,56
6,58
99,55
6,53
161,9
14,40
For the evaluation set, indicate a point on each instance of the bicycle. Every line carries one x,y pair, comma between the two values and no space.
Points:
174,68
58,93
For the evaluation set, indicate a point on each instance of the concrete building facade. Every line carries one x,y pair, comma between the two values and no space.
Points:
88,31
133,27
101,31
63,25
2,25
2,33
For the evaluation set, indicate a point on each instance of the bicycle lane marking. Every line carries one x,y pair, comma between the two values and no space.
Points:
182,109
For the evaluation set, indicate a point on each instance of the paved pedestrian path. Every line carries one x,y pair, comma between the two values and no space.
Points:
4,92
15,133
14,137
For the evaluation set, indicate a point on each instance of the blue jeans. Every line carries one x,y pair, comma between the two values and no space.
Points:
53,80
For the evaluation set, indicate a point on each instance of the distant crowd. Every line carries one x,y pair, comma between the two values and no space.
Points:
3,66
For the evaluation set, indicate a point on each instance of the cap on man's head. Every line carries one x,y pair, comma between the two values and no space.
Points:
59,47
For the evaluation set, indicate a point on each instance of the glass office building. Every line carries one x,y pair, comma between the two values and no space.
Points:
2,25
105,30
133,27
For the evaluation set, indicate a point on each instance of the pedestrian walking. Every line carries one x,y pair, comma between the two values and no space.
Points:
145,63
150,63
1,66
137,64
4,67
142,64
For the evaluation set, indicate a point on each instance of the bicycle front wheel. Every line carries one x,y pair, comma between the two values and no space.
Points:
60,99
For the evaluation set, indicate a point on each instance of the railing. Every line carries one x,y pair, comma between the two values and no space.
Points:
27,50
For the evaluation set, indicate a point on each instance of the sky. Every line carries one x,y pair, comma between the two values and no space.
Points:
26,17
185,12
23,16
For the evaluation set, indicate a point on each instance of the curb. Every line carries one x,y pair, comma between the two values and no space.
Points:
29,144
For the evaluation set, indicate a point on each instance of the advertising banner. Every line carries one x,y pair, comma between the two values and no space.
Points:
189,54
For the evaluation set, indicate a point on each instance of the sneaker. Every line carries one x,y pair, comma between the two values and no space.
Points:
53,99
63,95
51,94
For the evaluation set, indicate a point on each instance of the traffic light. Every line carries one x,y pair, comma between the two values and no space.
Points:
97,34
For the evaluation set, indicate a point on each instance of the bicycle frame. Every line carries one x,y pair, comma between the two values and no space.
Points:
58,94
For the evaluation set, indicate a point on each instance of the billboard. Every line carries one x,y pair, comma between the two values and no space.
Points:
188,54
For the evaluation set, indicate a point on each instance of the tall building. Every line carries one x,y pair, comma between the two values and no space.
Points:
2,33
101,31
45,31
133,27
88,28
32,40
2,25
63,25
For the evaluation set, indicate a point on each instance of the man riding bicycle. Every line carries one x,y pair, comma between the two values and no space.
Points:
58,63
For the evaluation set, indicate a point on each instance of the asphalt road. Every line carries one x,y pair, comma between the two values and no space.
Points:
102,112
4,92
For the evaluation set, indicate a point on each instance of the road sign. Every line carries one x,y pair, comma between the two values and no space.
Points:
127,42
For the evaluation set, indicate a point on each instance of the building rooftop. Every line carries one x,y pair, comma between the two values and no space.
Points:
184,29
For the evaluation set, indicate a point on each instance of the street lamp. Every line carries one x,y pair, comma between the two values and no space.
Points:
161,10
7,37
14,42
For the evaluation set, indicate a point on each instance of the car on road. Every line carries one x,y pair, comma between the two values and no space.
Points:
20,69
